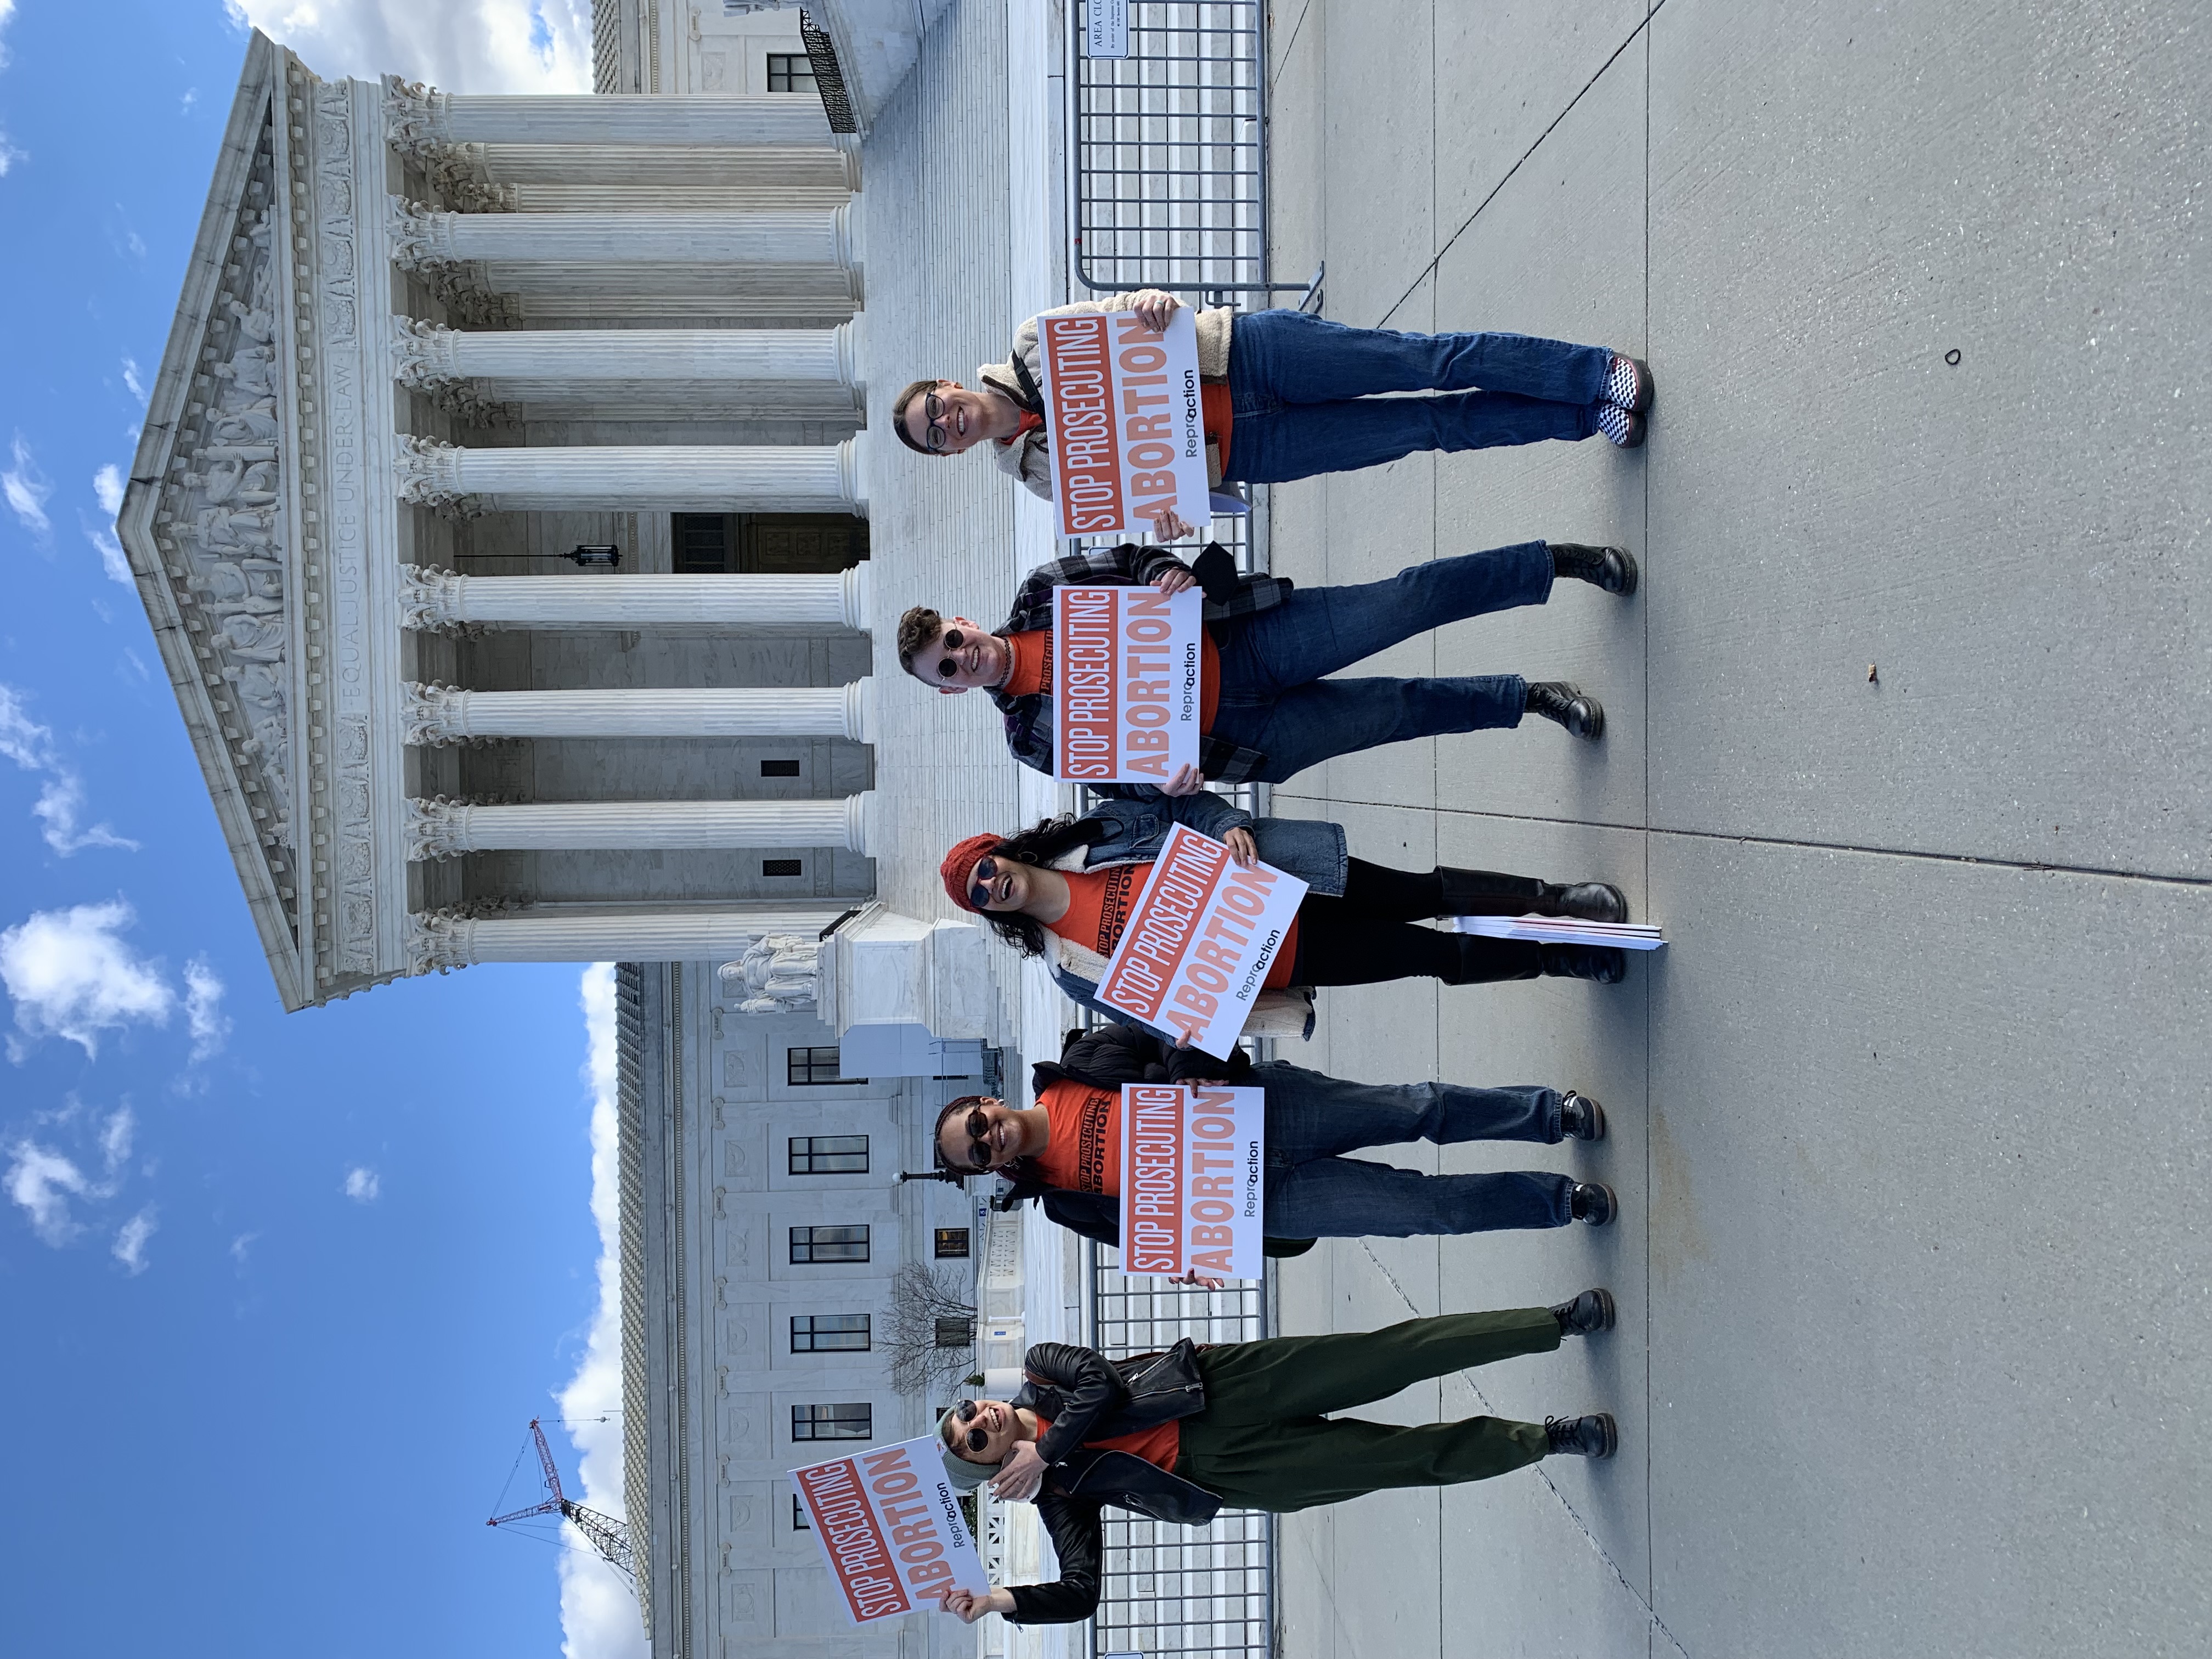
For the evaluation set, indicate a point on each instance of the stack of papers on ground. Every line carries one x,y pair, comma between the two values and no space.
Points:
1562,930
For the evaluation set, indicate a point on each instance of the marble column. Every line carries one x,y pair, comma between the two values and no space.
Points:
431,599
416,114
436,714
428,355
669,478
442,828
765,236
446,938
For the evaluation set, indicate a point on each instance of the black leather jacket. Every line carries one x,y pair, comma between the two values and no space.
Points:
1088,1397
1106,1057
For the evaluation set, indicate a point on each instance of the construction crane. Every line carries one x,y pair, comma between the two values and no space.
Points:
609,1536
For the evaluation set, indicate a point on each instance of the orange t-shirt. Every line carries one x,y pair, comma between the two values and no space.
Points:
1031,421
1099,906
1214,409
1032,671
1084,1154
1159,1446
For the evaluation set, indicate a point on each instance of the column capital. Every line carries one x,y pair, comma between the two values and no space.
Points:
437,828
428,471
429,598
424,356
420,235
434,715
858,587
417,116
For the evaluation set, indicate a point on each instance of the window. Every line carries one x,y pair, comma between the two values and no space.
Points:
828,1333
952,1241
849,1422
790,72
815,1065
781,866
780,769
829,1244
954,1332
828,1154
699,542
799,1521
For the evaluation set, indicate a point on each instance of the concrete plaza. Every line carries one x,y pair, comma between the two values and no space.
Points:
1906,748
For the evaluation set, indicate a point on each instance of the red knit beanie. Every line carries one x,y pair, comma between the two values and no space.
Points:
960,864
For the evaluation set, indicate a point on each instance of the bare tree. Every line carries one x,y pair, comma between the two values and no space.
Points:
931,1333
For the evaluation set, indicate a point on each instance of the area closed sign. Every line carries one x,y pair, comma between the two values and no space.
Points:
1125,683
1125,419
891,1529
1192,1164
1200,944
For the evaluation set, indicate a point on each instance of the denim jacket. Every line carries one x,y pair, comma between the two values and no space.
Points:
1311,849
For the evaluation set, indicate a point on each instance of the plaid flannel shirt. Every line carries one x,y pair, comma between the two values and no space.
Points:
1029,718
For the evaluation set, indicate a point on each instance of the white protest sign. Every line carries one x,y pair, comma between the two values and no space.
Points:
1193,1160
1126,425
890,1528
1200,941
1125,683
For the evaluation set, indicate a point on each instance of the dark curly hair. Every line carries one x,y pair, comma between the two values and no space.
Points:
1039,845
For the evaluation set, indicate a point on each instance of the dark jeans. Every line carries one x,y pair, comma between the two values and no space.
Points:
1367,936
1314,1192
1274,695
1263,1443
1301,403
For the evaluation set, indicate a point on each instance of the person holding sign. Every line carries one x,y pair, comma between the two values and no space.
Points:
1285,395
1177,1437
1064,1151
1268,709
1065,891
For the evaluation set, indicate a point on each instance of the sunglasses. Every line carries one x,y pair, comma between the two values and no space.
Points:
954,639
935,436
966,1412
986,871
979,1148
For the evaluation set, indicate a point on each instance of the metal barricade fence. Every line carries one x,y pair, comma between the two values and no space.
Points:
1171,1590
1167,175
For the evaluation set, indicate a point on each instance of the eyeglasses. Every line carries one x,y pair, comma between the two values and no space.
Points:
954,639
935,436
987,871
966,1412
979,1148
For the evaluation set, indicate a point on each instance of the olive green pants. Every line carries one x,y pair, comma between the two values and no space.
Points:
1263,1443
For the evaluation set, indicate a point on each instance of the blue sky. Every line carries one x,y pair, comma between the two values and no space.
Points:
281,1292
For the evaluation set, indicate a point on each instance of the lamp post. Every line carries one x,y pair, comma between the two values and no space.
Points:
597,556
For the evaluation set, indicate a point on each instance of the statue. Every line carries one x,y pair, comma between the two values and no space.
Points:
779,972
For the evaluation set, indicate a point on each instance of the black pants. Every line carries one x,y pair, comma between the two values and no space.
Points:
1367,936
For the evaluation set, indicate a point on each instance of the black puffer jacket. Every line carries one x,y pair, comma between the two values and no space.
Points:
1106,1057
1086,1396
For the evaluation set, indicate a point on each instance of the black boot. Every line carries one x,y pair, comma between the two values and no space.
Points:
1606,963
1586,901
1590,1312
1595,1436
1580,1118
1485,961
1592,1202
1557,700
1489,893
1613,568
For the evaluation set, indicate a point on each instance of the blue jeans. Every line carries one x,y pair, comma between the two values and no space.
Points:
1274,696
1300,394
1314,1192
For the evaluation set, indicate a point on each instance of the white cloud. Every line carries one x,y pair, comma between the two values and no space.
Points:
138,390
116,1138
204,1010
461,45
7,11
242,1246
363,1184
72,977
24,487
43,1180
130,1248
112,560
598,1617
107,483
60,804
